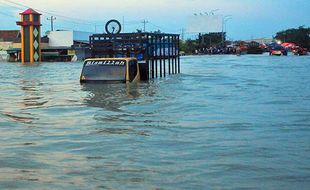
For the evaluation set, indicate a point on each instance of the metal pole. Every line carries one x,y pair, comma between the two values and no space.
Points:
152,52
123,24
164,56
169,54
160,55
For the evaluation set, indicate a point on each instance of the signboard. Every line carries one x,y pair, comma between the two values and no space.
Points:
71,52
60,38
205,24
106,62
104,70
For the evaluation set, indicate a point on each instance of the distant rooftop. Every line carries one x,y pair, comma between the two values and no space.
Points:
9,35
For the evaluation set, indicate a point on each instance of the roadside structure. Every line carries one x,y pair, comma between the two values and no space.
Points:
9,45
30,36
56,46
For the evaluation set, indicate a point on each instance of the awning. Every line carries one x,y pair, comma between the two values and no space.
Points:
13,50
51,54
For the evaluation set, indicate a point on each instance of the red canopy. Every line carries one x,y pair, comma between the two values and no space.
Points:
288,44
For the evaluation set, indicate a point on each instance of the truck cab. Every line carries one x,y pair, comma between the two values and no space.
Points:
110,70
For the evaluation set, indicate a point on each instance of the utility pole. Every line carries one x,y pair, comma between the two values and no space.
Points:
144,23
52,22
123,24
182,34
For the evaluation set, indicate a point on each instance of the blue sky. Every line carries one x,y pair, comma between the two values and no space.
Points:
250,18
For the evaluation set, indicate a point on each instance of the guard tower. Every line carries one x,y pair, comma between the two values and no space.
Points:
30,36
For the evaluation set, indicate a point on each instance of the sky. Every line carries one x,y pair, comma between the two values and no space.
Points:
250,19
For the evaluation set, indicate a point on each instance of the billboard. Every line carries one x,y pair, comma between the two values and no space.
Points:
204,24
60,38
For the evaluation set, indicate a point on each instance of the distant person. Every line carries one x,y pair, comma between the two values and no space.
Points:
238,51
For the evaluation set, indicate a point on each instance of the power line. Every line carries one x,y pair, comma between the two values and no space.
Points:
155,25
69,19
49,14
10,5
5,14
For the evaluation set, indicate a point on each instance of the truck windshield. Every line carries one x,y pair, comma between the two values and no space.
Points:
107,70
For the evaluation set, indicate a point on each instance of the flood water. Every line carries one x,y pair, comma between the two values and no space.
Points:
226,122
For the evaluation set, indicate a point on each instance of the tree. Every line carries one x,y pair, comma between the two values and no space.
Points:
203,41
188,46
299,36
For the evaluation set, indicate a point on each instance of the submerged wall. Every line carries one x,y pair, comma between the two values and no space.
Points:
3,56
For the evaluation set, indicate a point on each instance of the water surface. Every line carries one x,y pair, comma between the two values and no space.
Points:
226,122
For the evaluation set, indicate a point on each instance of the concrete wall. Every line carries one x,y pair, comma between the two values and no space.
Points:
5,45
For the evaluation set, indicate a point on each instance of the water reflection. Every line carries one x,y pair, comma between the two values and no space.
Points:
33,96
27,94
116,100
110,96
25,118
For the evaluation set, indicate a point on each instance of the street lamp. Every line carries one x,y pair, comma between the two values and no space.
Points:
224,20
212,11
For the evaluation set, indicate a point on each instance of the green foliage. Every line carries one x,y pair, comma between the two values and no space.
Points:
203,41
211,39
300,36
188,46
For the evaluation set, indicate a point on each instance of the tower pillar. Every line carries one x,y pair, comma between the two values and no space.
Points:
30,36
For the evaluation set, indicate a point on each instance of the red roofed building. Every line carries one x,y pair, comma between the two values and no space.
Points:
9,36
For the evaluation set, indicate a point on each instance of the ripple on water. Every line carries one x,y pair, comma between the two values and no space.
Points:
226,122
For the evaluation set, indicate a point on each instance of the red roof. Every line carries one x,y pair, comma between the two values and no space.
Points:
29,11
9,35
